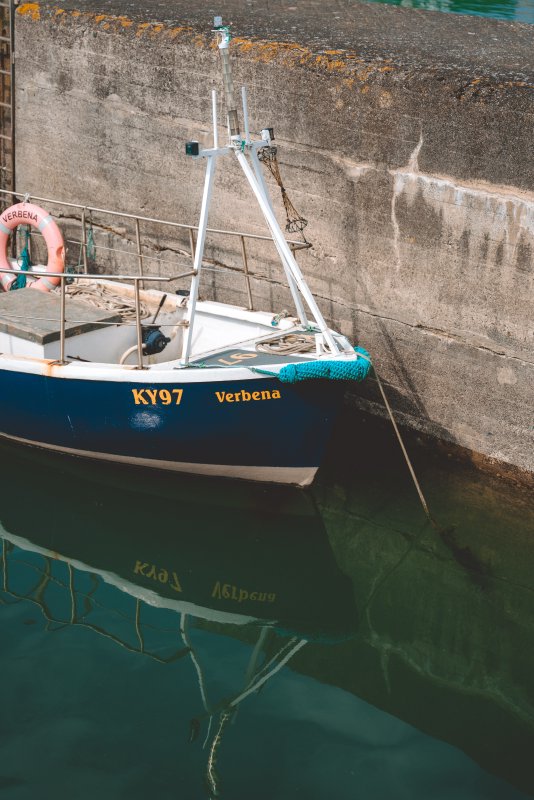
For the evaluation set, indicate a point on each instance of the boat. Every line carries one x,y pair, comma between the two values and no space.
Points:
100,366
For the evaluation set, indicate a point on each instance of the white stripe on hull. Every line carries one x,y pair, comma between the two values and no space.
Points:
148,596
295,476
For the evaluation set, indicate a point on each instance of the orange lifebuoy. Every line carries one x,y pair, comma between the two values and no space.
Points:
28,214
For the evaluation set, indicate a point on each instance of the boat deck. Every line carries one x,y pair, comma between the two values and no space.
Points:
236,356
35,316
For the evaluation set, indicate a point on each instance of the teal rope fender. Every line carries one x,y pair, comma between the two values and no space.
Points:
353,370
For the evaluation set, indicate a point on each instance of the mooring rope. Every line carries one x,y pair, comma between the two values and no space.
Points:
402,445
405,453
24,260
338,370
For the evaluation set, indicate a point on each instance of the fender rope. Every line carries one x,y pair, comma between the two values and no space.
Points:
24,261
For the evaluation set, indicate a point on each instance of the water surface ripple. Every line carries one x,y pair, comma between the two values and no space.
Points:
177,637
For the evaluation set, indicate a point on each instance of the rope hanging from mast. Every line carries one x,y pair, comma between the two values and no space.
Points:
295,222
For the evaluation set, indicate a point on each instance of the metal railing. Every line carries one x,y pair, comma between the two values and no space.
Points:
63,277
139,280
86,211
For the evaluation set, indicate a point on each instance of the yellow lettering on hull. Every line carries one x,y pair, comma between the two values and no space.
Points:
147,397
242,396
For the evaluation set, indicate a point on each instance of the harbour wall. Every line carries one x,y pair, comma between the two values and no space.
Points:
404,139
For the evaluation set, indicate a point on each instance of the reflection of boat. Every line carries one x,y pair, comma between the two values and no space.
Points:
216,389
207,549
425,629
258,563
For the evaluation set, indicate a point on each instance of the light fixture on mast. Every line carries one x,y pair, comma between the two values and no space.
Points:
223,43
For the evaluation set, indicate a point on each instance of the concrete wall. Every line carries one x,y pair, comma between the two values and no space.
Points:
405,140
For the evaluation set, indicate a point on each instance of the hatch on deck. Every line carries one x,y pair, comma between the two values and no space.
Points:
30,324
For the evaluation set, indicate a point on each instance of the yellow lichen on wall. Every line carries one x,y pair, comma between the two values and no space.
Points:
348,66
290,54
117,22
106,21
337,62
173,33
31,10
151,28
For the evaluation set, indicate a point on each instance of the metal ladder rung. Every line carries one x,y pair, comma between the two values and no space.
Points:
7,98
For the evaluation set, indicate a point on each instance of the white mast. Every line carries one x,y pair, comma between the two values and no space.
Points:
242,148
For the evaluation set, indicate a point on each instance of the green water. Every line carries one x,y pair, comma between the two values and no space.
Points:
173,637
518,10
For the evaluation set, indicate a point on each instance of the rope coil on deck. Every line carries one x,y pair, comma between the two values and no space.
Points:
288,344
104,297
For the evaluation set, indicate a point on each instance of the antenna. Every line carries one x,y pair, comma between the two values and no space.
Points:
245,113
214,115
223,43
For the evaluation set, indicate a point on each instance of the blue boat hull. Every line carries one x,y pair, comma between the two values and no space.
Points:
257,429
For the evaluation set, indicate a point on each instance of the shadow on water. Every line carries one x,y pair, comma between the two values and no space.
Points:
273,600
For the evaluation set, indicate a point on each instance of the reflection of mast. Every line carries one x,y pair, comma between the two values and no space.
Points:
227,708
211,776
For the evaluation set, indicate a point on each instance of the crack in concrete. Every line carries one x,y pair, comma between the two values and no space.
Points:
428,330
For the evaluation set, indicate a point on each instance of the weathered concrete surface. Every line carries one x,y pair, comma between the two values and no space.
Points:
405,139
